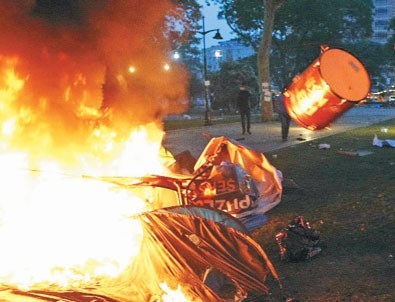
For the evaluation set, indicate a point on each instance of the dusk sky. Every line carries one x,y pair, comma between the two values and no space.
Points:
212,22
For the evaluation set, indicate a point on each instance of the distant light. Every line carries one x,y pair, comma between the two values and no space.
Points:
176,55
166,67
218,53
132,69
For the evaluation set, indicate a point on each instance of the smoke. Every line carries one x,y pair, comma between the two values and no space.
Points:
73,58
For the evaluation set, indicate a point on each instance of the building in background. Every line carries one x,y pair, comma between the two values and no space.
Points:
226,51
384,11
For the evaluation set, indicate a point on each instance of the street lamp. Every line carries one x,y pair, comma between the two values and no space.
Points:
217,36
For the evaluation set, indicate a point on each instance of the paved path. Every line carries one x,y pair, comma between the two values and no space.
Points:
266,137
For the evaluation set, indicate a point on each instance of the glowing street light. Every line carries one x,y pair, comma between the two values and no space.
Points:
132,69
176,55
166,67
217,36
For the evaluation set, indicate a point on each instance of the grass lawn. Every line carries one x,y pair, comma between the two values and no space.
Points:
351,201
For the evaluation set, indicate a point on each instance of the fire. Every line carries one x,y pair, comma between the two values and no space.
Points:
59,224
313,99
173,295
72,115
63,230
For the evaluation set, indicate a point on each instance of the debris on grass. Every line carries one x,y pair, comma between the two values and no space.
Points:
298,241
324,146
354,153
383,142
348,153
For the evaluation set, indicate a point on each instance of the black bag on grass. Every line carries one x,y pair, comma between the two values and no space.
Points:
298,241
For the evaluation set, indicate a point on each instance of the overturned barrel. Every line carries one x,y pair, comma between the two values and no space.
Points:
330,86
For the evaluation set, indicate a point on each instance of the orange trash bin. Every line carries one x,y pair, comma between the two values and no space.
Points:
330,86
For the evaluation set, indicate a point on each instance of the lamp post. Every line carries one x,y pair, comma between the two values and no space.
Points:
217,36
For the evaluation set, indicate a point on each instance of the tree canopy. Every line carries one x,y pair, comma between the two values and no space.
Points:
300,27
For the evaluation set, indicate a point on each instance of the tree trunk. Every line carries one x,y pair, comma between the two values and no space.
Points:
264,57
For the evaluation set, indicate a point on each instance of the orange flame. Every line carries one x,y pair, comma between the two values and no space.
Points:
58,227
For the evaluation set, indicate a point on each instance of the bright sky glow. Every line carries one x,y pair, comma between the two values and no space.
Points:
212,22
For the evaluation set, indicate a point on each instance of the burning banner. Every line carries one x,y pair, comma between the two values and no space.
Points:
83,94
180,248
227,176
246,183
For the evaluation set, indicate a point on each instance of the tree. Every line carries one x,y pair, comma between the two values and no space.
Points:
257,32
227,80
264,56
299,28
303,26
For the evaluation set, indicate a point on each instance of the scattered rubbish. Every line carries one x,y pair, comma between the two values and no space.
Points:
383,142
274,155
384,129
298,241
301,139
205,134
240,139
364,153
348,153
354,153
324,146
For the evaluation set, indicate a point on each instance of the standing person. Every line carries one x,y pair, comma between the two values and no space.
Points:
283,115
243,104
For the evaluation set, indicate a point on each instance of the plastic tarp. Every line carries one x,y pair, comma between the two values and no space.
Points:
383,142
266,177
179,245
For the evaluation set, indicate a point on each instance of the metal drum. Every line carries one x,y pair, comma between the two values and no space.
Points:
330,86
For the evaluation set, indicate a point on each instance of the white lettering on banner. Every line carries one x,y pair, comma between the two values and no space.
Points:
234,205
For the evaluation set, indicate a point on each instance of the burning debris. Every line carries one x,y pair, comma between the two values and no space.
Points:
67,93
83,94
327,88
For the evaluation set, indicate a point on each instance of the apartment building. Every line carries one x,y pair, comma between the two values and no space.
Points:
384,11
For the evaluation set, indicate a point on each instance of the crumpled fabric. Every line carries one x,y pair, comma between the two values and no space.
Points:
383,142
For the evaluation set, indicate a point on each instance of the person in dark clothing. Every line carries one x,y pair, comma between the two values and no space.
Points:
243,104
283,115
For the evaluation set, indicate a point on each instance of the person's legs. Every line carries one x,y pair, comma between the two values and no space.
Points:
287,124
248,115
243,123
284,119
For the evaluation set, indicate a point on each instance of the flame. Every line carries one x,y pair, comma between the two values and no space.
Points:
312,100
207,189
62,226
58,226
64,230
173,295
